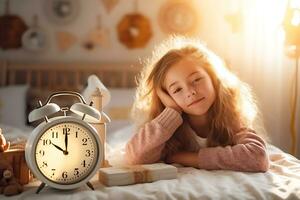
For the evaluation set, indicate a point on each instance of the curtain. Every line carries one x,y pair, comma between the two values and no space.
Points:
255,51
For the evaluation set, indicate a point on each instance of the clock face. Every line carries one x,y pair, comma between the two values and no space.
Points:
66,153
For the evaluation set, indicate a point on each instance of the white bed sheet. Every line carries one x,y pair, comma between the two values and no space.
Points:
282,181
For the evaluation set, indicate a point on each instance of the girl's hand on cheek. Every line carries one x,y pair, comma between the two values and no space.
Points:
167,100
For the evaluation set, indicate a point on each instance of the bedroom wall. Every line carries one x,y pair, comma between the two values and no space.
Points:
260,62
87,21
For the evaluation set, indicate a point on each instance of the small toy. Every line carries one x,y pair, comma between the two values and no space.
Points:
8,183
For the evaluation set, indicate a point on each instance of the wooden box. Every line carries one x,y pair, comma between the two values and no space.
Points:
134,174
16,157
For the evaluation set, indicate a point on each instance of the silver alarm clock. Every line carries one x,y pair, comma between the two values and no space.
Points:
64,152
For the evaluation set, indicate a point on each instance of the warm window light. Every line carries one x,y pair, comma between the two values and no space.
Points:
292,40
295,4
296,18
292,23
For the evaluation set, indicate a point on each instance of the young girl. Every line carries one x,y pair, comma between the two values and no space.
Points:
190,109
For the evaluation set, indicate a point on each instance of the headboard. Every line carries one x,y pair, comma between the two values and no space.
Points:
66,75
45,78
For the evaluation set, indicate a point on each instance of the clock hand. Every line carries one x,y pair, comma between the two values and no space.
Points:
66,142
58,147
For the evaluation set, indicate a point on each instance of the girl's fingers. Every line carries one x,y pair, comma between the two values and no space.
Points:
161,93
167,100
164,97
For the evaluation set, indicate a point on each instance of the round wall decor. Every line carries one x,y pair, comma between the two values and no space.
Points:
134,30
12,28
62,11
179,17
35,38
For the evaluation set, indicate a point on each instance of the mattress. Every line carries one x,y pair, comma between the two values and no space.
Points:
281,181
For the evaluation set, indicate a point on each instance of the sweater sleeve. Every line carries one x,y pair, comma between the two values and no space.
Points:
146,145
247,154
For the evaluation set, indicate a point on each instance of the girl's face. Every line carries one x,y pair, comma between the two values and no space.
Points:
190,86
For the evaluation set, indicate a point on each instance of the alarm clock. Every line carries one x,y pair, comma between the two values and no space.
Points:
64,152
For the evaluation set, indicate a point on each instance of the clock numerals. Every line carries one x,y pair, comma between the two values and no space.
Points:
62,165
53,171
66,131
45,164
76,171
65,175
54,135
84,141
47,142
83,163
88,153
42,152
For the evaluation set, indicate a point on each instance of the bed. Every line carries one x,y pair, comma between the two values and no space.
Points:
282,181
27,83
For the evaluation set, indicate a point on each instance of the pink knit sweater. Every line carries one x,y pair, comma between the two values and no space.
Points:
157,138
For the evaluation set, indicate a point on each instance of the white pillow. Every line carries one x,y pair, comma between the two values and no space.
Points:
115,147
13,105
118,109
121,136
121,97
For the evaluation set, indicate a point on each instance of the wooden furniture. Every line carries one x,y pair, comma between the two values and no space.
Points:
62,75
16,158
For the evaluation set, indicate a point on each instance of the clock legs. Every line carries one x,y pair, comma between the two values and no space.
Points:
90,185
42,185
40,188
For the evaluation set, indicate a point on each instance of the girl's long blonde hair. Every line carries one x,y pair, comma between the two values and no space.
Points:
234,107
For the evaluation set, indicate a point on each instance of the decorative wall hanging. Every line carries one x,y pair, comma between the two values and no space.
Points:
134,30
179,17
97,37
62,12
34,39
65,40
109,5
12,28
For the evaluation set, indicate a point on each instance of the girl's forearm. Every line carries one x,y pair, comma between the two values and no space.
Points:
146,146
188,159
